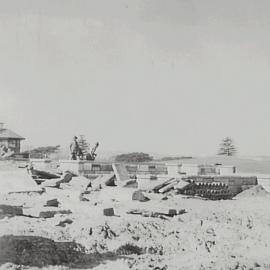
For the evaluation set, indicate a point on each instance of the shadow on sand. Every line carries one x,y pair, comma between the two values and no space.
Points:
39,251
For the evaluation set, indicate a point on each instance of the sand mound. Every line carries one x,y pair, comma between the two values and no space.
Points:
257,191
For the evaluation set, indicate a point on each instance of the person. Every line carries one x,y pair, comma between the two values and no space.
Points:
74,148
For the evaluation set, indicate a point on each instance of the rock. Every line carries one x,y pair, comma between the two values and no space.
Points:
139,196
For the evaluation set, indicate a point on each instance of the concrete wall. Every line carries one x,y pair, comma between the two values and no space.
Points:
85,167
41,164
190,169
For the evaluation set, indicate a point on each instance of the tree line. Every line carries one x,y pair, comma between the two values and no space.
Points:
226,148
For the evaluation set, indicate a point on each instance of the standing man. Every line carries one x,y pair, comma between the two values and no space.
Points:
74,148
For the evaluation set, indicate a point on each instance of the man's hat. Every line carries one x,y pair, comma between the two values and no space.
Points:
75,137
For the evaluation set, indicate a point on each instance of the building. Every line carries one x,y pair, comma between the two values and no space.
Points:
10,139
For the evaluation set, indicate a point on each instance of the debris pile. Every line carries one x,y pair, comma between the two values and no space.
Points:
83,222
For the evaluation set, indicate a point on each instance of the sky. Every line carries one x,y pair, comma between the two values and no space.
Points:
159,76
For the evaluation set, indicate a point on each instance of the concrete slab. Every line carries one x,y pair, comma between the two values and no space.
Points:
17,181
121,173
103,180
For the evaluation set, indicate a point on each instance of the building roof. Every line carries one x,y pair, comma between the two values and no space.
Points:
9,134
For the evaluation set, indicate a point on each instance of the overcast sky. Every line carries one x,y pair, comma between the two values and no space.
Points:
167,76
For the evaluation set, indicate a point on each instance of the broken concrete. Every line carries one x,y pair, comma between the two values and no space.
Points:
108,212
44,174
102,181
52,203
10,211
121,173
65,178
139,196
17,181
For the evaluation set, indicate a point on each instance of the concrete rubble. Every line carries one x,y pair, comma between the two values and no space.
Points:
112,226
139,196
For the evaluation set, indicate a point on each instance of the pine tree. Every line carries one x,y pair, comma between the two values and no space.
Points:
84,145
227,147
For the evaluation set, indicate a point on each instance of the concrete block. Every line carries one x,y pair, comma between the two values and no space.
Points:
103,180
10,210
47,214
53,203
66,177
108,212
139,196
121,173
172,212
226,170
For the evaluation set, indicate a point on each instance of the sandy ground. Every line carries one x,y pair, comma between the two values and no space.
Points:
232,234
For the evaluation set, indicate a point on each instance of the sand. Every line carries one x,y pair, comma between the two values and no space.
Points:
232,234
